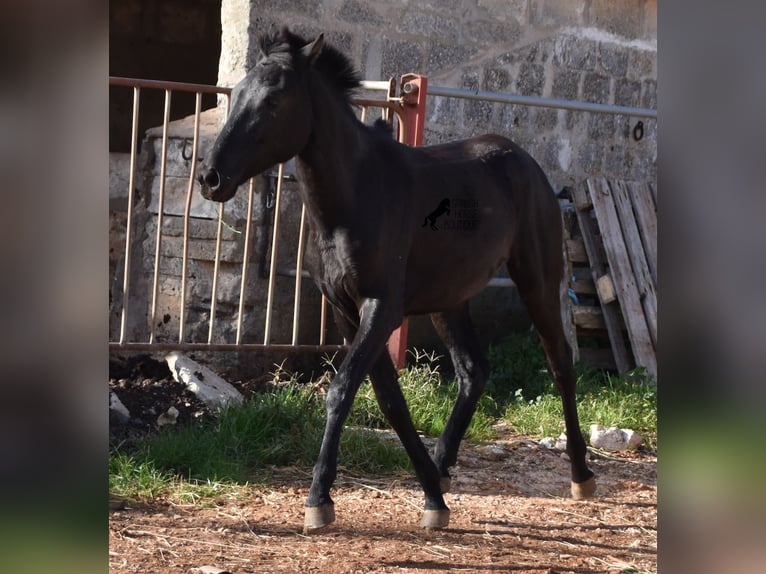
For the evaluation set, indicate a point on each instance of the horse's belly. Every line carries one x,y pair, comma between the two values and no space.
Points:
449,272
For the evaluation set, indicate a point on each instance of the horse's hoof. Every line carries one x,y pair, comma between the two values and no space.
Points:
445,483
317,517
435,519
583,490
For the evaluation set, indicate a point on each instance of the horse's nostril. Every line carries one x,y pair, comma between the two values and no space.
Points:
212,179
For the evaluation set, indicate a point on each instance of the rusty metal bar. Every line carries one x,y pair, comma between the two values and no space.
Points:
322,320
187,211
273,267
390,104
216,268
163,85
216,264
299,275
129,222
160,214
245,258
281,347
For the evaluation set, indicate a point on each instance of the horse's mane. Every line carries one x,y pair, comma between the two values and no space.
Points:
332,64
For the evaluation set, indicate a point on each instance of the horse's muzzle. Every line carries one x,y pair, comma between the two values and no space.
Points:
211,185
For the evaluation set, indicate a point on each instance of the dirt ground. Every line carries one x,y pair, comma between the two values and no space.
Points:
509,500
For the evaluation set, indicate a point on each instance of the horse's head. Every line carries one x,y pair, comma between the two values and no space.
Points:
270,119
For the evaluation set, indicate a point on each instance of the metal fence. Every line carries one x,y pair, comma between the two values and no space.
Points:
404,108
380,99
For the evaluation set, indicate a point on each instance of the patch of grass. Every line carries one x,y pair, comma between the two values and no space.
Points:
531,403
430,399
284,426
281,427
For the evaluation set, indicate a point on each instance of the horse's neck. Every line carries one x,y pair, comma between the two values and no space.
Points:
325,165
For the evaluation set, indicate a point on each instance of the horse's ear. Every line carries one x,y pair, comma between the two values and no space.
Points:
313,49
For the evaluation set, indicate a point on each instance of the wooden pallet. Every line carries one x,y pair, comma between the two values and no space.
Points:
611,245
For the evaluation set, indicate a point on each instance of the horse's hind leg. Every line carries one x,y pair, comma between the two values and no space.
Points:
472,370
541,298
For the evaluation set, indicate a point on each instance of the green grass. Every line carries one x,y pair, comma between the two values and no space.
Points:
430,398
531,404
284,426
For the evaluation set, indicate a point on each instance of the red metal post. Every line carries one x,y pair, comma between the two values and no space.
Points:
414,89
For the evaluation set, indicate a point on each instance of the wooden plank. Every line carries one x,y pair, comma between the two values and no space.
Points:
614,324
581,281
570,331
588,317
605,288
575,251
632,237
645,210
622,274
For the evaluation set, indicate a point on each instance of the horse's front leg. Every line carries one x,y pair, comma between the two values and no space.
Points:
376,323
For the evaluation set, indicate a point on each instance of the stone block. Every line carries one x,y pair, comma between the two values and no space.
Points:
176,191
601,126
400,57
641,64
203,228
621,17
575,53
566,84
119,178
443,111
613,59
590,157
489,32
202,249
503,9
477,116
359,13
545,119
595,88
429,24
649,94
305,8
627,92
495,79
530,80
557,12
441,56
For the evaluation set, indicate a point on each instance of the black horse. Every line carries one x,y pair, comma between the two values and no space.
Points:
366,196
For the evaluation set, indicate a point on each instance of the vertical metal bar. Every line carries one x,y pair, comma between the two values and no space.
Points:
245,259
363,115
129,222
216,268
160,214
273,267
187,211
299,275
323,320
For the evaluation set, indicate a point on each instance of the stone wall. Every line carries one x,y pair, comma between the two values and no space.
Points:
592,50
602,51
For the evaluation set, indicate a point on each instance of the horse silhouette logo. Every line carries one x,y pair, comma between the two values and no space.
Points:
441,209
